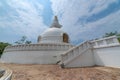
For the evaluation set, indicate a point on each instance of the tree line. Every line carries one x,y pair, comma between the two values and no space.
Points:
23,40
112,34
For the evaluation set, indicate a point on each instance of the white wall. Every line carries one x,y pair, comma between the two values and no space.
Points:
85,59
107,56
104,52
31,57
102,56
34,53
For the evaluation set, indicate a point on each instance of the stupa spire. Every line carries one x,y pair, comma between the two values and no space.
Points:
55,23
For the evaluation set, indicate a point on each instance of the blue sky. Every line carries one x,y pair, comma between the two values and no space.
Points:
81,19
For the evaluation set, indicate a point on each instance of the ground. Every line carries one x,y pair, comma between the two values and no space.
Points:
54,72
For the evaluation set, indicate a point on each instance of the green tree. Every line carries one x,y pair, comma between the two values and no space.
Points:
23,40
2,47
28,42
118,35
112,34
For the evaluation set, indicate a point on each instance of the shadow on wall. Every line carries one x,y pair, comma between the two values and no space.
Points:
97,59
107,56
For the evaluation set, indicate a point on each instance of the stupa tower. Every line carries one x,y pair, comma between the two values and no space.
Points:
54,34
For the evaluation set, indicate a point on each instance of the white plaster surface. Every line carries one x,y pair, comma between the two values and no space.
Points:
31,57
34,53
103,56
85,59
104,52
107,56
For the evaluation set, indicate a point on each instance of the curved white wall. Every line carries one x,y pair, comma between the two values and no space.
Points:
51,39
31,57
34,53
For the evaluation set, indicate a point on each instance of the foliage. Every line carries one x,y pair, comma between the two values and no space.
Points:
28,42
23,40
2,46
112,34
118,35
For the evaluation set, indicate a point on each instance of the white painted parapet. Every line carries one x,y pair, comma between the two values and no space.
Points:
105,42
38,47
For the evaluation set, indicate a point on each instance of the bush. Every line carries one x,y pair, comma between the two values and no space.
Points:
2,47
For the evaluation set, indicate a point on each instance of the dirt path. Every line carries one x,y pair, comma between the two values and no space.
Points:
54,72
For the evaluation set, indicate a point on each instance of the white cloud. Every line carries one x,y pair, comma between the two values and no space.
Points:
0,4
79,7
99,28
69,13
26,18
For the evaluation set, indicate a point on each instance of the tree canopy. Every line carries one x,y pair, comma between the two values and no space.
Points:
2,46
112,34
23,40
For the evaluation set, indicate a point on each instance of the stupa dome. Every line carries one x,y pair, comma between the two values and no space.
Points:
54,34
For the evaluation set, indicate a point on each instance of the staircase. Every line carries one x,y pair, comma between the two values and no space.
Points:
71,55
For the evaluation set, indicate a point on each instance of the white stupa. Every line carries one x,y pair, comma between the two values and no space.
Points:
51,44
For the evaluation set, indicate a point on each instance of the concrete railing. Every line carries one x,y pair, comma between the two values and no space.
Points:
74,52
6,75
35,47
105,42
